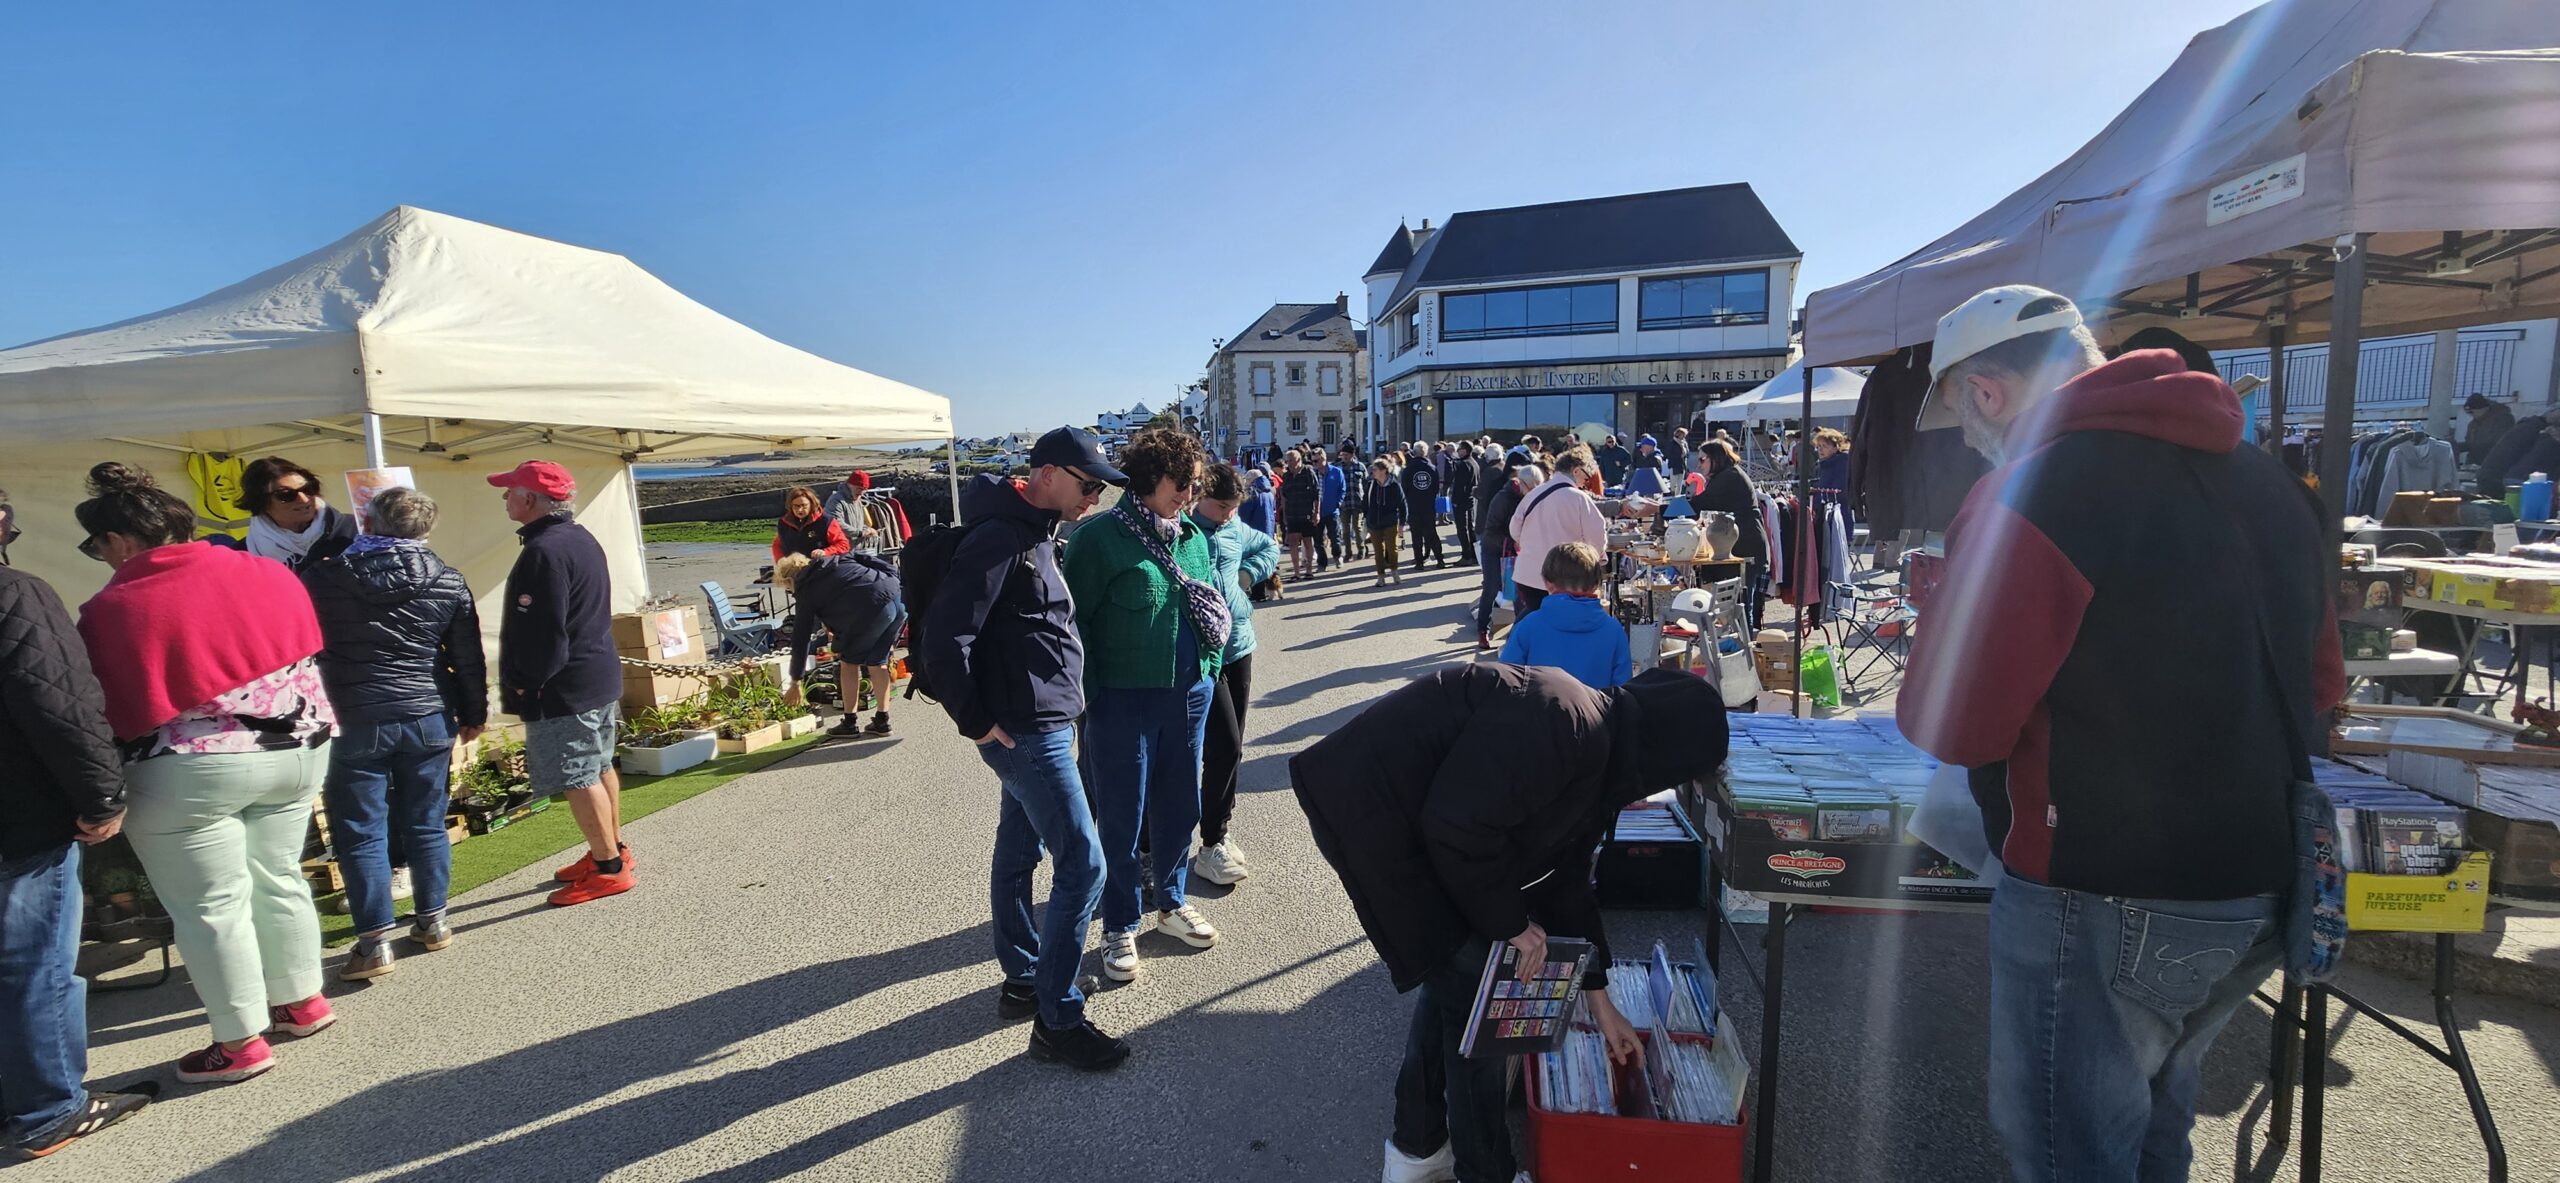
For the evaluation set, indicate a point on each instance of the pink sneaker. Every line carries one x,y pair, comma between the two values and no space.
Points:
221,1065
303,1019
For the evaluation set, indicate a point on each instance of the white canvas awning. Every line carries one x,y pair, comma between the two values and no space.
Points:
461,335
1835,395
2211,203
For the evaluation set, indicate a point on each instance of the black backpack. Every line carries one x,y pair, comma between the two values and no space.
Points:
921,566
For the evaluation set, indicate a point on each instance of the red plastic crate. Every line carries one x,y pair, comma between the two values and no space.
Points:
1598,1148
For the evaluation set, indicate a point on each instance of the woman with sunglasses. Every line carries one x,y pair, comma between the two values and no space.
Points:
1155,628
291,523
806,529
205,655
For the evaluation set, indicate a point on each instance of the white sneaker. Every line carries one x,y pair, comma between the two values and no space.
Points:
1220,864
1187,925
1120,956
400,889
1441,1167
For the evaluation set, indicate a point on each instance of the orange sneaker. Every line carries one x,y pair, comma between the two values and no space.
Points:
593,887
586,865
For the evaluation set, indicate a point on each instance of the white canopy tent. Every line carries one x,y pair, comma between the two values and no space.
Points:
2305,171
460,349
1835,395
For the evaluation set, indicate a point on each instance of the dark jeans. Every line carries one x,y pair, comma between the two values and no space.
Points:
1142,755
1426,530
1328,538
1222,749
44,1006
1044,806
387,785
1462,510
1443,1098
1525,600
1491,591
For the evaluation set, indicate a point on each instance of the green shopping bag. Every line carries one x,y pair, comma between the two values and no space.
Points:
1821,676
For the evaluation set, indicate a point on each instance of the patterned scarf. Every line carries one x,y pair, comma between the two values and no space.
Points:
1207,605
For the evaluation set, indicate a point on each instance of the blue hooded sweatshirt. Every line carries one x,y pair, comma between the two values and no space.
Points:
1573,634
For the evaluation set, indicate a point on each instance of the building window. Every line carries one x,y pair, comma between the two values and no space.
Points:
1328,430
1297,373
1705,301
1530,312
1548,416
1298,424
1262,380
1328,379
1409,326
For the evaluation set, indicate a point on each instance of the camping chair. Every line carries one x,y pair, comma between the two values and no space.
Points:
742,634
1870,608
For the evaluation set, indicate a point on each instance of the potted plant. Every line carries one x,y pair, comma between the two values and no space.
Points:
122,887
666,739
749,732
495,787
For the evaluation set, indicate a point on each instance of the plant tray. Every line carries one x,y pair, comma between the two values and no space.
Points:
797,727
693,748
753,741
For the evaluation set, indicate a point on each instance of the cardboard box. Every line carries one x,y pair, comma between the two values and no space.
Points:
642,689
672,634
2455,902
2524,856
2364,642
2375,595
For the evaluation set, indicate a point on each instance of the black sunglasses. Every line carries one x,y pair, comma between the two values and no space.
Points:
289,492
89,547
1091,487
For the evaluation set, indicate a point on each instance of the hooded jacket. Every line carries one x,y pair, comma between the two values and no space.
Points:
1244,556
1474,799
1334,484
400,636
849,593
1549,516
2093,655
1576,635
1260,509
1000,643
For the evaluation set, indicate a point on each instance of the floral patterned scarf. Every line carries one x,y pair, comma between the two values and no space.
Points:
1207,605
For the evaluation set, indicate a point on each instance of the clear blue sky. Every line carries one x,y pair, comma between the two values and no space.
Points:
1040,210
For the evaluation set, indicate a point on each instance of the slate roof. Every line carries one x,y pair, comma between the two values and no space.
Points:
1706,225
1332,325
1396,254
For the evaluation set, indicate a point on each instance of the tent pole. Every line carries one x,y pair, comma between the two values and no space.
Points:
951,446
2277,394
2346,344
373,440
1801,453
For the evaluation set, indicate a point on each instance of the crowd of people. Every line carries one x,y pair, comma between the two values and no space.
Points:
216,688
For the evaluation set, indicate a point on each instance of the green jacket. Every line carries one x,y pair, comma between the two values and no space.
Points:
1129,611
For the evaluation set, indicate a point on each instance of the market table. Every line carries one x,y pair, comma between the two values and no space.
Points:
2536,622
2407,663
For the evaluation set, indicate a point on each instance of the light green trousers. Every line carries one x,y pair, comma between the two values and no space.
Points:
221,837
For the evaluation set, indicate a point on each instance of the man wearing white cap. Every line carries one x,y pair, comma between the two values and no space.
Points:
2131,652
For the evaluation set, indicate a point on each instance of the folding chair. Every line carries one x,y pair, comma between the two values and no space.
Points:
1862,610
742,634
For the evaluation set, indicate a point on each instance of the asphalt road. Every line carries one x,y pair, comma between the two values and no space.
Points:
802,986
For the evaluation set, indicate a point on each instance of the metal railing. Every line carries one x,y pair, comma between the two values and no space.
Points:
2392,374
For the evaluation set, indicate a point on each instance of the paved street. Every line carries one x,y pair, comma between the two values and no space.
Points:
802,985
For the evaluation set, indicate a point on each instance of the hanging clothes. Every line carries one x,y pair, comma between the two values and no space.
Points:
2422,464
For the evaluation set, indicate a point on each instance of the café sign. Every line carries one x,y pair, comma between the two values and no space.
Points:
1606,375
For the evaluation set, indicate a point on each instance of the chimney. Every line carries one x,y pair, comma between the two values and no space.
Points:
1426,225
1341,303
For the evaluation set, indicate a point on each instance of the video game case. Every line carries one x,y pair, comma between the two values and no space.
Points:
1511,1017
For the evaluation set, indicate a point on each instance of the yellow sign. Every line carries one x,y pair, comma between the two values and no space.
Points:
2456,902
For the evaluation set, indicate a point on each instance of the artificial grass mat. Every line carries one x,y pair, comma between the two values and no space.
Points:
760,530
550,833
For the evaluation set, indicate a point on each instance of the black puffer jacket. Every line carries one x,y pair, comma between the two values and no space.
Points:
401,634
1475,798
61,761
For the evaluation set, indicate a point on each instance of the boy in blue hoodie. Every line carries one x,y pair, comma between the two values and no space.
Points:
1570,630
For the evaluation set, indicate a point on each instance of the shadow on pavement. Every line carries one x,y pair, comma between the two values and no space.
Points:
490,1104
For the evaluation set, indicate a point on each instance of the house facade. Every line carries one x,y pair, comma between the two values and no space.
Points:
1296,373
1627,314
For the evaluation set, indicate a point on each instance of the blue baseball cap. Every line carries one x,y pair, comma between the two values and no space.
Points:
1076,448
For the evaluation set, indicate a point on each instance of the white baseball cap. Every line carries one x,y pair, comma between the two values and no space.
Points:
1987,319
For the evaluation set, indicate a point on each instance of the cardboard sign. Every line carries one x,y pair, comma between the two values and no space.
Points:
364,484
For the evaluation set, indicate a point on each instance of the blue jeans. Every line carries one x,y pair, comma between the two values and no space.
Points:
1143,749
2101,1012
44,1006
1044,805
387,778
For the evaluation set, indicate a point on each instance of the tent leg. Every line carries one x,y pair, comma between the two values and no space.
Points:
1802,454
951,449
2346,344
2277,393
373,440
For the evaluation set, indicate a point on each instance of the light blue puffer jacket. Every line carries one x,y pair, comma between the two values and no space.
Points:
1245,556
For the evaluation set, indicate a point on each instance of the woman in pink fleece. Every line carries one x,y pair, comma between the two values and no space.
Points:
205,656
1550,515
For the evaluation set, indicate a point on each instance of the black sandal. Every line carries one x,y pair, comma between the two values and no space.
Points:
105,1109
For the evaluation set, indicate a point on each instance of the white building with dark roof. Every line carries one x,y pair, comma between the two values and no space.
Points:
1630,313
1296,373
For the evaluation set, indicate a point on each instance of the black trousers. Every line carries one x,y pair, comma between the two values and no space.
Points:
1528,597
1222,749
1424,516
1463,511
1443,1098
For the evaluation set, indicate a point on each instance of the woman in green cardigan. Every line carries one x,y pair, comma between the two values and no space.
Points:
1154,626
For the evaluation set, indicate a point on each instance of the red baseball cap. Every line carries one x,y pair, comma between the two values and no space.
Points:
541,476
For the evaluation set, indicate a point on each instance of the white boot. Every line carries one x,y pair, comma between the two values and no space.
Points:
1441,1167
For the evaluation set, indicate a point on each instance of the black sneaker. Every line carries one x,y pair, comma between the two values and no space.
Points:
1016,1001
879,724
1083,1047
849,727
104,1109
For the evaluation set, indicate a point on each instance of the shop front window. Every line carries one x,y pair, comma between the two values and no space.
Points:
1548,416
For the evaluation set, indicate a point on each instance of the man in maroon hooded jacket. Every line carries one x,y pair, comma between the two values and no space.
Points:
2130,655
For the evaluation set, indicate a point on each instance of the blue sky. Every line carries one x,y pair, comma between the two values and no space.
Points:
1040,210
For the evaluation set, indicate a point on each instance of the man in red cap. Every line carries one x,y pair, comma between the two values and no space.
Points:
844,504
557,671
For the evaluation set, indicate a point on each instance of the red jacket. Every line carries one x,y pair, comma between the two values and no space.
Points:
2094,653
820,535
177,626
